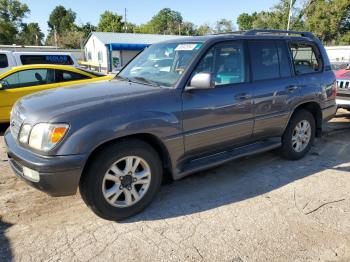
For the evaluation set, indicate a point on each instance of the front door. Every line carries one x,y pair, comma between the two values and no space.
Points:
221,116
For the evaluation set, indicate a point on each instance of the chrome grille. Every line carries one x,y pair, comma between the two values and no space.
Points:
16,122
343,84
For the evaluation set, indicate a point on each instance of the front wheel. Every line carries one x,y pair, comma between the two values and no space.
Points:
299,135
122,180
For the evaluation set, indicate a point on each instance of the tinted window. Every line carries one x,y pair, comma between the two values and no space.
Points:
304,59
3,61
27,78
65,76
225,62
283,57
264,60
46,59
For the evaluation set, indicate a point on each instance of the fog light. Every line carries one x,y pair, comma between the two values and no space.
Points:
32,175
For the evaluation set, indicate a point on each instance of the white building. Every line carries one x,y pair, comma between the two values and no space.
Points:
338,54
112,50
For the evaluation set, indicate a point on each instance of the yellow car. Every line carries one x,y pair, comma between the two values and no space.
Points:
23,80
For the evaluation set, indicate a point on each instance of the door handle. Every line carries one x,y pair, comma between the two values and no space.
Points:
243,96
292,88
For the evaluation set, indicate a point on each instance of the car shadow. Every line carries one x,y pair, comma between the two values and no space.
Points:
5,246
244,179
3,128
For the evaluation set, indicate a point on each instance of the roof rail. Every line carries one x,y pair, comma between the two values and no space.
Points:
270,31
232,33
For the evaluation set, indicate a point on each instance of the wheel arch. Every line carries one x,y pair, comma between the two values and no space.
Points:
150,139
315,109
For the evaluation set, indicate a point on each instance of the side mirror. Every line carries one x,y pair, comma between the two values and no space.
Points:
201,81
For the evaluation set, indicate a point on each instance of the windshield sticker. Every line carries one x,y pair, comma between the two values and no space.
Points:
187,47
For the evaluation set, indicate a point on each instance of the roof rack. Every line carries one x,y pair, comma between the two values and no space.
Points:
278,32
268,32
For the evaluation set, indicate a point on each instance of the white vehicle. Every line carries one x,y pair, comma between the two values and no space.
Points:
9,59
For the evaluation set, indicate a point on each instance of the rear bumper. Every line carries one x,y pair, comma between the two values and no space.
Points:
59,175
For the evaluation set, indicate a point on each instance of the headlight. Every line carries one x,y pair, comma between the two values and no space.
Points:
43,136
24,134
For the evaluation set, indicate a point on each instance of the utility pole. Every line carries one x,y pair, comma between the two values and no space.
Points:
290,14
55,35
125,22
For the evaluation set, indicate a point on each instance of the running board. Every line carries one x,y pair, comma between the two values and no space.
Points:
229,155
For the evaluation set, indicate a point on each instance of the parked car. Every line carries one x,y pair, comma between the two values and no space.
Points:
343,92
9,59
24,80
224,97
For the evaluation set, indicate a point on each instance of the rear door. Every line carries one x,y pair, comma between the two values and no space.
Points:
222,116
273,85
21,83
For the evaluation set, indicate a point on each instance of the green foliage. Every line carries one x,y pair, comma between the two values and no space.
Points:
331,27
224,26
12,13
110,22
86,29
328,19
166,21
31,35
204,29
245,21
62,20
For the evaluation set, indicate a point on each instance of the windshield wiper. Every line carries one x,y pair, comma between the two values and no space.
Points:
123,78
146,81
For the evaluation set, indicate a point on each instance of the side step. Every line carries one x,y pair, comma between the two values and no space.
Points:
228,155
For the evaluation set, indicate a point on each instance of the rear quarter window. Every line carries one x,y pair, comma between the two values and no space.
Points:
3,61
46,59
305,58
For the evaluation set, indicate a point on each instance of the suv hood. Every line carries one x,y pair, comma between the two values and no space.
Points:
52,103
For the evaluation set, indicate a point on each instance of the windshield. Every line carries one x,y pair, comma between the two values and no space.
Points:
161,64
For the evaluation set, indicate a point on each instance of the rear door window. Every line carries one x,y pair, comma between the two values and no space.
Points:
65,76
305,58
46,59
264,60
3,61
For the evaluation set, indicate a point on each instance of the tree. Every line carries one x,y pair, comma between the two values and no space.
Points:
12,13
331,27
110,22
224,26
245,21
166,21
61,20
187,28
86,29
31,34
204,29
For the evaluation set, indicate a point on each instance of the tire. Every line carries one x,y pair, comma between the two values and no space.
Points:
95,187
289,149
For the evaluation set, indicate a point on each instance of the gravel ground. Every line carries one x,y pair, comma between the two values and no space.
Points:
261,208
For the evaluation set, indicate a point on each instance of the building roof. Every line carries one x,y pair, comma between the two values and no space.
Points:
127,38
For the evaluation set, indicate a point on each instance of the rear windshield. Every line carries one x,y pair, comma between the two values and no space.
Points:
46,59
3,61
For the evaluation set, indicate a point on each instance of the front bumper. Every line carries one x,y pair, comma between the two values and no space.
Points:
343,102
59,175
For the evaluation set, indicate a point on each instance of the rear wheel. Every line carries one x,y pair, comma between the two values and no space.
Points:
299,135
122,180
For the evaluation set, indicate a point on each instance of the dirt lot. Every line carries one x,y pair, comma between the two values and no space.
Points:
260,208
